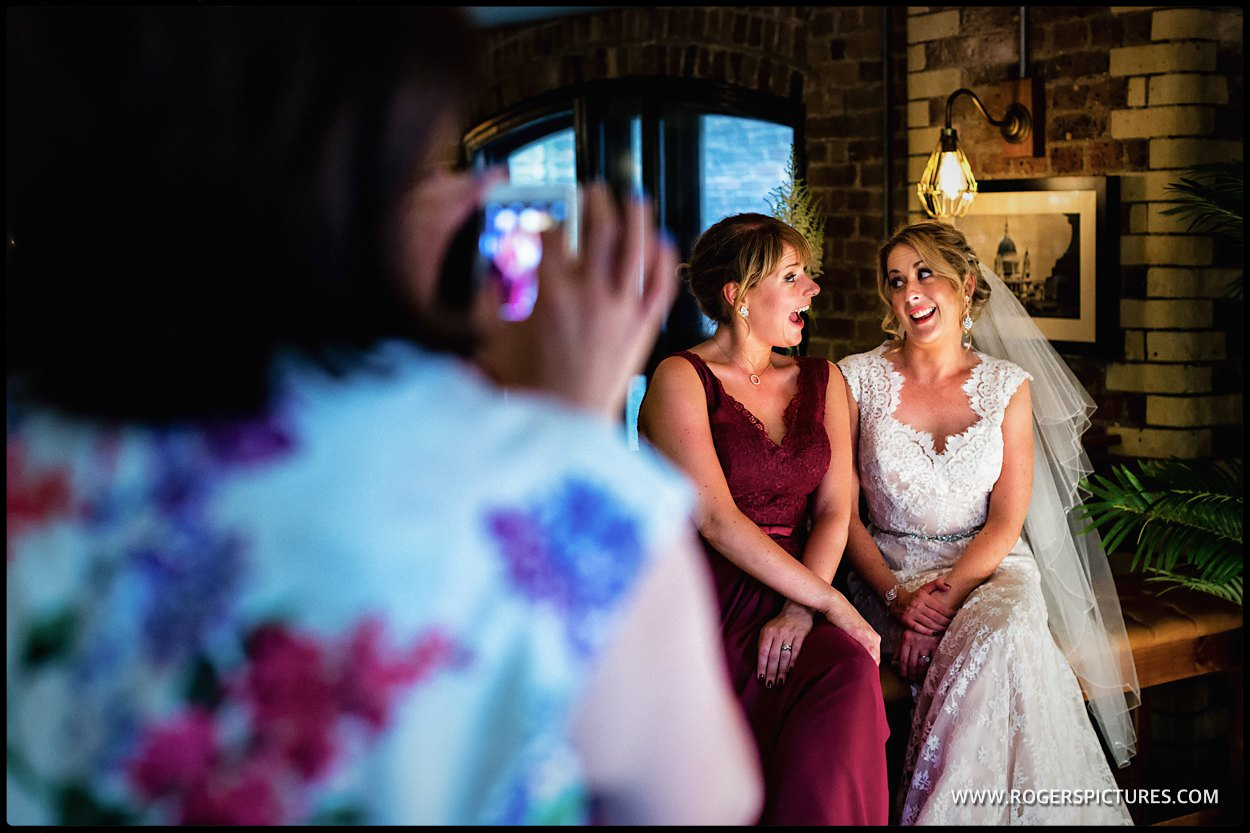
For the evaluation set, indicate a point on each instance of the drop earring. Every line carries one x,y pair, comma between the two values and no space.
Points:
966,341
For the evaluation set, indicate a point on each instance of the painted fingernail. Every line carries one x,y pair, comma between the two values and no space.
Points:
768,684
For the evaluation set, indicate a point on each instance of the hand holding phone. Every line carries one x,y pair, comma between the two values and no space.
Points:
510,244
598,312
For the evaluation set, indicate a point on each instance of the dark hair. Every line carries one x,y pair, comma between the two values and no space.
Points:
945,250
742,249
191,190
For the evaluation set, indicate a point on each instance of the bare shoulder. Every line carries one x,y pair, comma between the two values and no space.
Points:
676,383
676,370
675,397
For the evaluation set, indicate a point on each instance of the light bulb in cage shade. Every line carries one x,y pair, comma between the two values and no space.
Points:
947,186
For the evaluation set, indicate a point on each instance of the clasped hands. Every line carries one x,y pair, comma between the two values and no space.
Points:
925,613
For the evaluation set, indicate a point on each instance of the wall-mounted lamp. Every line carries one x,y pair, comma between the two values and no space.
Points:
947,186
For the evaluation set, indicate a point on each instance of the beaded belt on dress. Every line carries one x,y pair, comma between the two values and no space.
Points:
954,536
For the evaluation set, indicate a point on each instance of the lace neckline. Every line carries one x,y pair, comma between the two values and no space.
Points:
787,416
926,438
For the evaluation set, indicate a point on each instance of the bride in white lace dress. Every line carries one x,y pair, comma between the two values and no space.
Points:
945,451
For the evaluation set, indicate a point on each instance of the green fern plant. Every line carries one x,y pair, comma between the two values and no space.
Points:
1211,198
792,203
1183,519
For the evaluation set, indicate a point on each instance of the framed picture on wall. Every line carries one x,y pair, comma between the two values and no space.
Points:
1055,243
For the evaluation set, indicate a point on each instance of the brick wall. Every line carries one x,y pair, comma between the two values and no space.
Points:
1134,92
853,52
759,48
1139,93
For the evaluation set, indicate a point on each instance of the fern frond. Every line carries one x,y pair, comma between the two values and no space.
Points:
1231,590
1217,515
1203,217
1182,520
1225,476
1211,198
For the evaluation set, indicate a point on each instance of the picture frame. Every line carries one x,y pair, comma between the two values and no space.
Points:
1055,242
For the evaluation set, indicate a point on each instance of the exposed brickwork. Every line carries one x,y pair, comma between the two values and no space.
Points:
1139,93
1184,411
1164,442
758,48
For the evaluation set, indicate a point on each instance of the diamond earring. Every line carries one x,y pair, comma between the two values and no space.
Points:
966,341
743,311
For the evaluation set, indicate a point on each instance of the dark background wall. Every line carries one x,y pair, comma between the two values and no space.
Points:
1135,93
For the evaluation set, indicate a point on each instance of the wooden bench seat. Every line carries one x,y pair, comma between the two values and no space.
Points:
1177,634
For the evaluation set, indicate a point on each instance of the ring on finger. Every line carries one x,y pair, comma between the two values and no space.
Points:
785,649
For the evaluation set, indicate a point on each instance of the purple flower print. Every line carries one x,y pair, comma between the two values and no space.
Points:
578,549
249,441
190,585
195,568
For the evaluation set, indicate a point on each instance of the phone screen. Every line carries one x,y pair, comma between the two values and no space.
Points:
510,246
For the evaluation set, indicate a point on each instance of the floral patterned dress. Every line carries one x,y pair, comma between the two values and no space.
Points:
378,604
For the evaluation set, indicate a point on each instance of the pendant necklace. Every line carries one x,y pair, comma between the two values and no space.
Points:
754,377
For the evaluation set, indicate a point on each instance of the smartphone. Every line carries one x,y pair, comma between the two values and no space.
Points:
509,246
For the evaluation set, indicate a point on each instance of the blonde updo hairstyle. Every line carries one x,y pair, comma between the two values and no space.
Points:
741,249
945,250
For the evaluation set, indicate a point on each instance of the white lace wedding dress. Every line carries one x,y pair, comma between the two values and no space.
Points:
1000,710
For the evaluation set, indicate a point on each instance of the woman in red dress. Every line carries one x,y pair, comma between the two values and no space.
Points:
765,437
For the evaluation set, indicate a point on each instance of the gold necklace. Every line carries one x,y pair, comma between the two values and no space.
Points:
754,377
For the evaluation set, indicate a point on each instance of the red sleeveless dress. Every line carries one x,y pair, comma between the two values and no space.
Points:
822,735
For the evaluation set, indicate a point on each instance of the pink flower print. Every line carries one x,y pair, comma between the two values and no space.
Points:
298,692
294,707
248,795
31,498
174,756
369,680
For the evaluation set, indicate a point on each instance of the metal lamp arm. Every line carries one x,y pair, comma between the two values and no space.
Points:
1015,125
